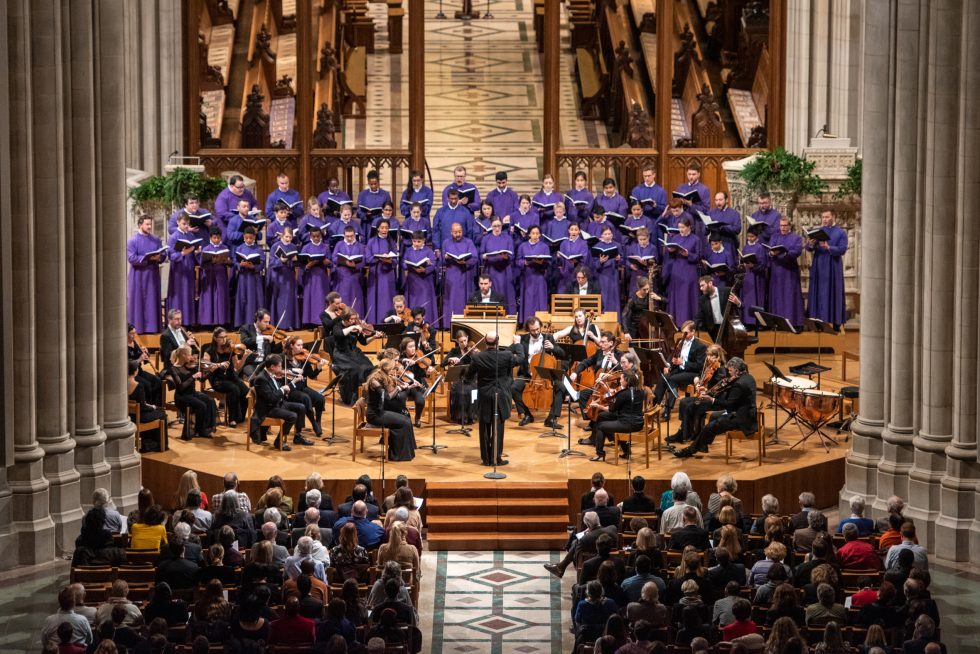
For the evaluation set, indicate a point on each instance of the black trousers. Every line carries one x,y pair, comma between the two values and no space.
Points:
416,395
557,395
678,381
205,412
692,413
235,392
719,424
461,407
290,413
607,430
151,384
486,440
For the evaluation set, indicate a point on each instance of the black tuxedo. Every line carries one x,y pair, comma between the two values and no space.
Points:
738,404
248,335
595,363
168,344
689,535
706,317
593,288
493,371
495,298
524,375
271,402
681,376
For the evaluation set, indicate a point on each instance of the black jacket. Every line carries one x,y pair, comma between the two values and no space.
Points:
526,365
695,358
268,394
593,288
594,362
706,317
689,535
476,298
249,336
739,401
626,407
493,371
168,344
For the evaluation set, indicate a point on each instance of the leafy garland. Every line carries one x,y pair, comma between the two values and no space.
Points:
852,184
781,170
169,190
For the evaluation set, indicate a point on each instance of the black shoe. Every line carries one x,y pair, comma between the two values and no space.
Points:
526,420
317,429
502,462
703,448
418,424
301,440
675,438
186,437
665,415
586,441
598,457
624,455
554,569
285,448
554,424
685,453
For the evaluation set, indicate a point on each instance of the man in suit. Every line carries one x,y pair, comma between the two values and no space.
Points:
713,305
175,569
725,571
359,492
174,336
583,284
327,517
532,343
603,550
737,407
587,543
604,360
587,501
690,533
271,402
493,370
685,365
261,345
485,294
608,515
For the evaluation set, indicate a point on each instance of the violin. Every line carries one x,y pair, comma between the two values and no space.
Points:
277,336
606,386
304,356
367,328
406,316
710,366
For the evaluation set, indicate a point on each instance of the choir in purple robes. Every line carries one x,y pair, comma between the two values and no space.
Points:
180,285
572,253
632,224
348,259
411,225
729,224
504,200
593,229
249,295
421,194
826,295
723,255
419,269
606,258
652,197
369,203
333,200
460,258
785,292
613,204
497,257
143,308
280,283
291,197
214,307
639,258
755,287
682,285
463,188
480,228
316,280
226,204
306,223
522,221
533,262
196,211
704,196
544,202
381,258
770,217
336,229
442,224
579,202
273,231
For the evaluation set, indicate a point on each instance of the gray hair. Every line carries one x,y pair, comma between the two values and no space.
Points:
304,546
770,504
100,498
807,499
727,483
895,504
269,531
392,570
376,645
591,519
311,515
183,530
857,505
401,514
601,497
314,480
816,520
229,503
650,592
925,627
738,364
272,514
680,481
850,530
313,498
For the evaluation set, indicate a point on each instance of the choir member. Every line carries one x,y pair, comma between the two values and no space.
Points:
592,230
464,188
755,286
348,259
826,297
462,408
184,373
504,200
533,261
606,260
315,259
767,215
371,199
634,222
226,378
298,361
139,355
532,345
234,233
419,266
214,304
415,222
381,260
333,199
226,204
611,201
348,359
546,199
283,218
289,196
281,281
250,263
684,254
185,249
192,207
387,215
148,412
386,409
335,232
728,219
482,223
686,363
523,218
145,253
579,199
447,217
583,284
312,218
651,196
640,256
555,231
418,192
416,363
624,415
716,255
785,293
459,256
691,185
497,255
572,253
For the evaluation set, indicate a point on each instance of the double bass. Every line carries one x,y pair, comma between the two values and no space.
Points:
732,335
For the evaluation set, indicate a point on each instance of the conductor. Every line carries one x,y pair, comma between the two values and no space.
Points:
493,371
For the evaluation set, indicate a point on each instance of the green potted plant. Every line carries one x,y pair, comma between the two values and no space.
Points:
162,193
780,171
851,186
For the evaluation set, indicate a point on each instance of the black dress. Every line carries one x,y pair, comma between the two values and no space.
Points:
625,415
147,414
152,386
228,382
389,412
186,396
349,361
462,408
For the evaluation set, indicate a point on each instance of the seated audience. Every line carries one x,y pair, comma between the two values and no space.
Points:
292,628
865,526
826,608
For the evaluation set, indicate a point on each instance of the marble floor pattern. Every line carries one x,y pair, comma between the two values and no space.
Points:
483,97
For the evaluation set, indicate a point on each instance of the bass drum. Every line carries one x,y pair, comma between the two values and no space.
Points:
819,406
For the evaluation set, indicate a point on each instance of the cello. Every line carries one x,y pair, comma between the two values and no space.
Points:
538,392
735,338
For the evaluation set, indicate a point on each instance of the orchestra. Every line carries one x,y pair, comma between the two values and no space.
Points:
255,288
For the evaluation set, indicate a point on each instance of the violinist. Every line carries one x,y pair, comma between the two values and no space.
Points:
174,335
225,379
603,361
532,344
304,365
386,408
462,408
685,365
624,415
418,325
733,407
137,353
330,316
397,311
184,372
416,364
713,305
261,338
348,359
691,410
272,401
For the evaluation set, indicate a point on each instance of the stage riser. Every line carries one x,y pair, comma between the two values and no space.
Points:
475,541
502,507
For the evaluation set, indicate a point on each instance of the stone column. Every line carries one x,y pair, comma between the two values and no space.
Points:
797,75
845,49
84,386
110,196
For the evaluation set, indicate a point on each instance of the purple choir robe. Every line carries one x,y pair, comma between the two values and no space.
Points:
280,285
347,280
465,187
731,225
594,229
520,223
423,195
703,192
442,224
785,292
607,276
305,224
143,287
290,196
826,294
534,278
316,284
331,203
180,285
505,203
410,226
555,232
652,198
369,205
226,204
631,225
381,278
636,250
336,231
545,205
771,218
682,287
460,276
420,282
499,267
234,234
579,203
214,306
273,231
571,255
250,293
172,221
727,257
615,204
479,228
755,287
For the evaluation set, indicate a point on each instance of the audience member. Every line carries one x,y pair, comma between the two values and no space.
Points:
642,574
648,608
292,628
826,607
864,525
770,506
743,624
638,502
81,631
721,612
908,543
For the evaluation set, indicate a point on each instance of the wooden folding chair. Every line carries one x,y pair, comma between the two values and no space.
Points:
159,425
267,422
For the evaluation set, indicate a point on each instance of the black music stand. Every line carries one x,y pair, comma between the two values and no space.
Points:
455,375
820,327
572,396
575,352
430,392
553,375
395,340
791,415
332,389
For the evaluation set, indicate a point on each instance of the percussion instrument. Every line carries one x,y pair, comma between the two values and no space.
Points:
817,406
789,391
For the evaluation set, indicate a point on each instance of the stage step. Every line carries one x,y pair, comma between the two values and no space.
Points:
494,515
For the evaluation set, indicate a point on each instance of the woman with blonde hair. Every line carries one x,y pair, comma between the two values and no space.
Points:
386,409
404,498
188,482
726,487
184,374
398,549
728,538
775,555
646,544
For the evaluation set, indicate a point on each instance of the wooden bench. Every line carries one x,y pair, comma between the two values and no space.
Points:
749,106
593,79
